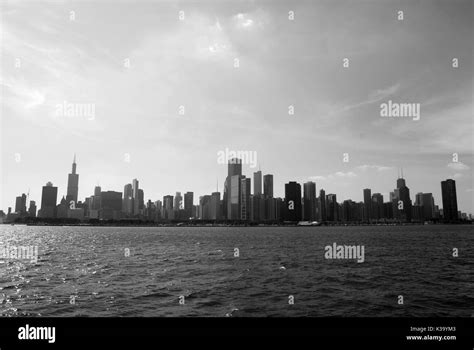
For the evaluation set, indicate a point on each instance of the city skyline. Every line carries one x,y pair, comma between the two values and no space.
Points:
154,89
240,202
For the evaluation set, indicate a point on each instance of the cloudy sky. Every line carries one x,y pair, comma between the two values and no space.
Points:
236,67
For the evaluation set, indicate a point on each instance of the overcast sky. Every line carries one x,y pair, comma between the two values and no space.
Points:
51,56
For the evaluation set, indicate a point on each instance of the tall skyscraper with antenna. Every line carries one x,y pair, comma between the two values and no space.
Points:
72,184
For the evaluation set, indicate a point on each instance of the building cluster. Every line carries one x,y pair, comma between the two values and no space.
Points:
240,204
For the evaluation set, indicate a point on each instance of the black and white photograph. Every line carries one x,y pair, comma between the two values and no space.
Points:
249,167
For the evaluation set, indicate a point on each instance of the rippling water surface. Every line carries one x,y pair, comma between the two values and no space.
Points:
89,263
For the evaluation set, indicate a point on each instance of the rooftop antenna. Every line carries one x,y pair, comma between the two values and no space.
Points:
402,173
217,184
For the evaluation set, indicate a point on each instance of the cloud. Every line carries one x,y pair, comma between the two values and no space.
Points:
366,167
342,174
338,174
458,166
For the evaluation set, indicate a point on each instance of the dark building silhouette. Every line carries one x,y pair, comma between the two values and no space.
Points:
20,205
188,204
450,203
135,197
309,202
232,187
111,205
168,212
49,198
32,209
332,207
127,202
72,184
216,206
367,205
322,206
245,208
205,207
404,197
257,183
377,206
268,185
292,201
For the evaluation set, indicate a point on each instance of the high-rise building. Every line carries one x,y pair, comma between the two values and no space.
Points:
188,204
32,209
450,203
110,205
428,206
95,205
268,186
141,201
178,201
401,182
127,205
367,205
135,196
72,184
49,198
20,205
322,206
404,200
377,206
257,183
234,204
168,213
332,207
215,206
309,203
234,168
205,207
245,198
293,201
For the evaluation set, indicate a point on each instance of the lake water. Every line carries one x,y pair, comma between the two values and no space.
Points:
130,271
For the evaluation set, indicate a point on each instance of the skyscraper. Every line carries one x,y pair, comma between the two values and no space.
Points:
110,205
20,205
235,191
127,206
257,183
332,207
178,201
450,203
322,205
49,197
367,204
292,201
404,200
96,198
377,206
32,209
188,204
234,167
245,198
168,212
135,195
72,184
268,186
215,205
232,187
309,201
